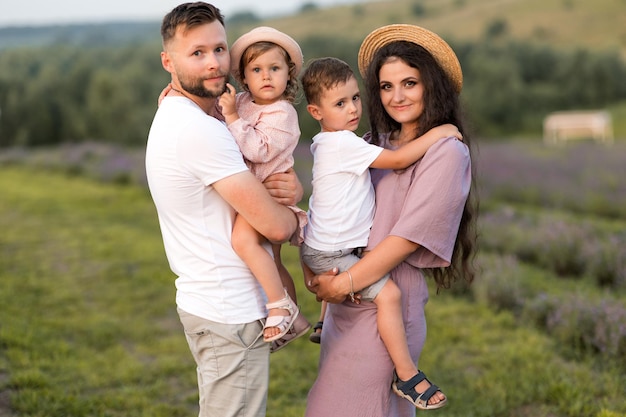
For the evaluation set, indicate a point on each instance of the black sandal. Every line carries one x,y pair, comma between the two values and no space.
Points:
316,337
406,390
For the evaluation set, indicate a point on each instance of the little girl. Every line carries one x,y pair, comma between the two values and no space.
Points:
264,122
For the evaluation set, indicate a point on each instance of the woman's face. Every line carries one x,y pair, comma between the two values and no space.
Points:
401,91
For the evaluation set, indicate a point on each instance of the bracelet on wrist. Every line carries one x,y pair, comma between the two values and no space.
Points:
351,294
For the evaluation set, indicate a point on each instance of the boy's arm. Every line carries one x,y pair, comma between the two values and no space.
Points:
414,150
251,200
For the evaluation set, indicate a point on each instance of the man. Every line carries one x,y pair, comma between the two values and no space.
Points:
198,181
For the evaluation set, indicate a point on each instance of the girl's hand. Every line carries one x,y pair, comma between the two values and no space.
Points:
227,104
166,90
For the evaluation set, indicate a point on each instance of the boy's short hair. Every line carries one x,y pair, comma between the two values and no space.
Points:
323,74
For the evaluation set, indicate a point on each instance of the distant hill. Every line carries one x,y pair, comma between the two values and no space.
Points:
597,24
593,24
80,34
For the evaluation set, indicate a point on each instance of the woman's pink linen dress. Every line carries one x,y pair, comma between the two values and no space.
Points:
423,204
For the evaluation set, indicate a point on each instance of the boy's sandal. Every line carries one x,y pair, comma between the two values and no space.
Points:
299,328
283,323
316,337
406,389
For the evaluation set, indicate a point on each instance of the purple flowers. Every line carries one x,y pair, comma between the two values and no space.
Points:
552,213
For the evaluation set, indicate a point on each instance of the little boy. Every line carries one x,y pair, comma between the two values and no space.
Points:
341,207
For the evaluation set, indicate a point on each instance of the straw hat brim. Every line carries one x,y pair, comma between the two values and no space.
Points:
264,34
439,49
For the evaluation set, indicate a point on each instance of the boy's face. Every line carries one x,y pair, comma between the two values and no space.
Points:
340,107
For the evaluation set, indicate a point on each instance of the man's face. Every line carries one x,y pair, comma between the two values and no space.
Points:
198,59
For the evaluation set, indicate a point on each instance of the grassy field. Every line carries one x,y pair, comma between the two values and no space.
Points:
88,324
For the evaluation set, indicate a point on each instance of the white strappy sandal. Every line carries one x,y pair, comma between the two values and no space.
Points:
283,323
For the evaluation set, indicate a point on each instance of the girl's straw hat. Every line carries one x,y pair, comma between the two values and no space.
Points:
430,41
264,34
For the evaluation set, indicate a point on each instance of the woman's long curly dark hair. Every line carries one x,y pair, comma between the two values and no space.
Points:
441,106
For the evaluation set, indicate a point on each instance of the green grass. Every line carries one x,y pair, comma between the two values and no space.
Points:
88,324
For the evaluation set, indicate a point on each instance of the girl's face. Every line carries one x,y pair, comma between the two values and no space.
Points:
401,92
266,76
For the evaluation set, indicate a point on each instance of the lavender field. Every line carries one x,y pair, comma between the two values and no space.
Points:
583,177
553,240
557,212
80,245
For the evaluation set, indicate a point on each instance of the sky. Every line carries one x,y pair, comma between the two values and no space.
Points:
61,12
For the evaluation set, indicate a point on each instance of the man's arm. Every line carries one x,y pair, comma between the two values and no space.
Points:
251,200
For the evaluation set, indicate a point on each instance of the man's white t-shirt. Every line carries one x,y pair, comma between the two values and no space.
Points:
187,152
341,207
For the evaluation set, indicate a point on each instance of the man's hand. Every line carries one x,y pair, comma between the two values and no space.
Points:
285,187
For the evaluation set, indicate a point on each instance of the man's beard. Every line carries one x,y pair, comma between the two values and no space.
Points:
198,89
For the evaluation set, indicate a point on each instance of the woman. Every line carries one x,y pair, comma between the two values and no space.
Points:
424,220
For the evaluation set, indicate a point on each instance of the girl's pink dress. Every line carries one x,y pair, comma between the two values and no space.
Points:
423,204
267,135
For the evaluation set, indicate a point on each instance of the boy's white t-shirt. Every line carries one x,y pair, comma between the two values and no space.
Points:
187,151
341,207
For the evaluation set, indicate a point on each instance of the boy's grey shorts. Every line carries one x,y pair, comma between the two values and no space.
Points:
323,261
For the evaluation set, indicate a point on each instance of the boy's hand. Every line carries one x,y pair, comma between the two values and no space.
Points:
449,130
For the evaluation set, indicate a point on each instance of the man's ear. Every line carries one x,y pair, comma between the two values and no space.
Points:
314,111
166,61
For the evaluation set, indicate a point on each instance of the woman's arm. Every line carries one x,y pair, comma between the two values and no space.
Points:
379,261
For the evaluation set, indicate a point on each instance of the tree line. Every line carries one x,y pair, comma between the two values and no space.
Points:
57,94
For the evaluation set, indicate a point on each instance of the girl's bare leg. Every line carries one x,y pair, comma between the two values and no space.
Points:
247,243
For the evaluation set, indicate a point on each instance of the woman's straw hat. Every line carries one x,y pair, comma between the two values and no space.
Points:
264,34
430,41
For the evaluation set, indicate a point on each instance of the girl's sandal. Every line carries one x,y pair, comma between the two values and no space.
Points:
406,390
316,337
283,323
300,326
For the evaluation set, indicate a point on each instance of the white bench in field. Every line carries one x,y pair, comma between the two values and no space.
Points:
566,125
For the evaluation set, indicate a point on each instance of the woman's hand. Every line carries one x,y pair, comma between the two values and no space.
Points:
284,187
329,286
